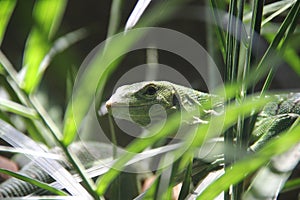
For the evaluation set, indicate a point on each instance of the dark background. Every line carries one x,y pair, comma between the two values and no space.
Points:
94,15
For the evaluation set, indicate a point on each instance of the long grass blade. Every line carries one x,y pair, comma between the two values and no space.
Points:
46,121
47,16
53,168
270,8
60,45
257,14
220,33
192,140
185,189
208,180
33,182
291,185
137,12
7,7
271,178
36,128
268,58
106,165
58,136
292,58
248,165
278,12
115,16
30,152
101,67
8,67
18,109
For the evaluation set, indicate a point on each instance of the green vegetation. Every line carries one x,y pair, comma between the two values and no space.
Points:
233,45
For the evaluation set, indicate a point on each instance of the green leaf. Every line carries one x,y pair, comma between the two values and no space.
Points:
18,109
293,59
33,182
277,12
7,7
279,42
185,190
290,55
251,163
101,66
291,185
47,15
271,8
17,139
192,140
60,45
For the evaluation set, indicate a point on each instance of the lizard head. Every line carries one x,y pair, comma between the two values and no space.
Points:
143,102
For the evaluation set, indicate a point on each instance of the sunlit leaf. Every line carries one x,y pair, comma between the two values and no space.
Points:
293,59
290,55
291,185
52,167
99,69
33,182
191,140
248,165
18,109
270,179
7,7
47,15
137,12
272,8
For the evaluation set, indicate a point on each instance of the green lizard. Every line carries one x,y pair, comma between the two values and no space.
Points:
89,153
133,102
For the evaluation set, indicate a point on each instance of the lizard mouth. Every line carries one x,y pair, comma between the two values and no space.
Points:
137,113
112,105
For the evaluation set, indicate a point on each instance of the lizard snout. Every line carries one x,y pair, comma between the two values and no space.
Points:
108,104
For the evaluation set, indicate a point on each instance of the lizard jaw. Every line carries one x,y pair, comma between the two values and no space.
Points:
108,104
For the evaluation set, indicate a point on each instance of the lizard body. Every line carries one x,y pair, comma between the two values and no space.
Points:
87,153
133,103
275,117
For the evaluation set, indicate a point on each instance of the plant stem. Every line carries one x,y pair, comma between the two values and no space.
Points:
114,19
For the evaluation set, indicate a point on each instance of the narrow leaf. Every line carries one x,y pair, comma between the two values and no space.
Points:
137,12
52,167
291,185
248,165
277,13
33,182
271,178
293,59
7,7
192,140
47,15
18,109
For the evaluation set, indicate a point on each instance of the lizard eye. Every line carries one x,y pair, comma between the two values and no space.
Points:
150,90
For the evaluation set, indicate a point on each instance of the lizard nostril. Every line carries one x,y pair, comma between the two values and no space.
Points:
108,104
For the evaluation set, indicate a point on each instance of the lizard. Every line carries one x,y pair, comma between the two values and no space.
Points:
89,153
133,102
